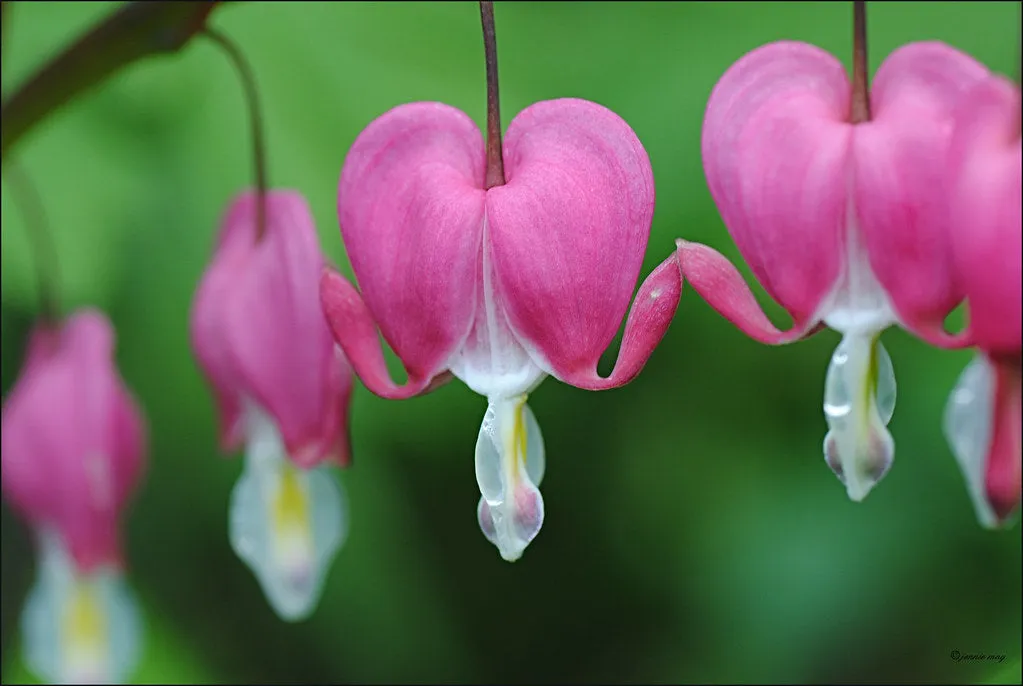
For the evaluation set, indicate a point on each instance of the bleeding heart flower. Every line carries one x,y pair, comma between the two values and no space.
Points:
283,389
73,451
982,190
502,286
835,219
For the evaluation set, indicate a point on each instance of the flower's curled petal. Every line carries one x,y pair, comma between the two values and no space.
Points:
722,286
355,331
649,318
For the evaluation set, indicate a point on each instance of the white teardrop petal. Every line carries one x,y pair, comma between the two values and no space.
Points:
858,447
509,465
80,628
967,423
286,523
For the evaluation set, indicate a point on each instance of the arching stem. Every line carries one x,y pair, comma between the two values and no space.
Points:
248,80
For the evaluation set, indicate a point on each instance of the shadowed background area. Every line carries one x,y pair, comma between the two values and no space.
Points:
693,531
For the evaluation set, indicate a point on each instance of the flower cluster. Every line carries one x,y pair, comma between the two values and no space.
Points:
501,262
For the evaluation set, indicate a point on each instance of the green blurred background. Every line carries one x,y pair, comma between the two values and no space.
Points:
693,530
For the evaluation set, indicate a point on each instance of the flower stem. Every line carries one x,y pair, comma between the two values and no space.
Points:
248,80
41,243
860,82
495,159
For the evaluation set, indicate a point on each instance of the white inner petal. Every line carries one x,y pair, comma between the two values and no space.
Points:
859,400
286,523
509,468
858,304
492,362
859,390
968,422
79,628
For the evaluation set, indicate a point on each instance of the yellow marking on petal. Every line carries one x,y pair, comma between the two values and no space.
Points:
514,453
520,432
85,635
291,521
869,398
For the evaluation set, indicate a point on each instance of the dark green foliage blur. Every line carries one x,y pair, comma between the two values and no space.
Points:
693,531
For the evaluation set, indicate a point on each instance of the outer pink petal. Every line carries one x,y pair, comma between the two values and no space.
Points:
24,478
1004,475
25,429
775,152
101,474
648,321
274,327
722,286
568,231
984,181
76,435
410,204
898,161
335,431
209,342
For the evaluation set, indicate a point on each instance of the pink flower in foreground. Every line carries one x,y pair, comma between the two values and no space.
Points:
282,389
983,194
835,219
502,286
73,451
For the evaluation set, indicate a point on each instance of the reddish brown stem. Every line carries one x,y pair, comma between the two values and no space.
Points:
860,80
495,158
248,80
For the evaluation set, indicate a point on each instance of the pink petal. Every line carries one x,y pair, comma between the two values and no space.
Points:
411,204
25,482
898,165
234,243
984,181
355,331
722,286
568,232
74,441
274,329
775,151
649,318
1003,480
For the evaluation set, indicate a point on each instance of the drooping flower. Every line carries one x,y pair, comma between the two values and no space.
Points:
282,388
982,192
73,451
498,286
835,219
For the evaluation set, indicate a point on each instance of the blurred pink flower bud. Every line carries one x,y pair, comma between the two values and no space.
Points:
502,286
836,219
982,189
73,450
282,389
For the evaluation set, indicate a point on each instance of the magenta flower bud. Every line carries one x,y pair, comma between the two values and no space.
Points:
982,189
836,219
73,450
282,389
499,287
